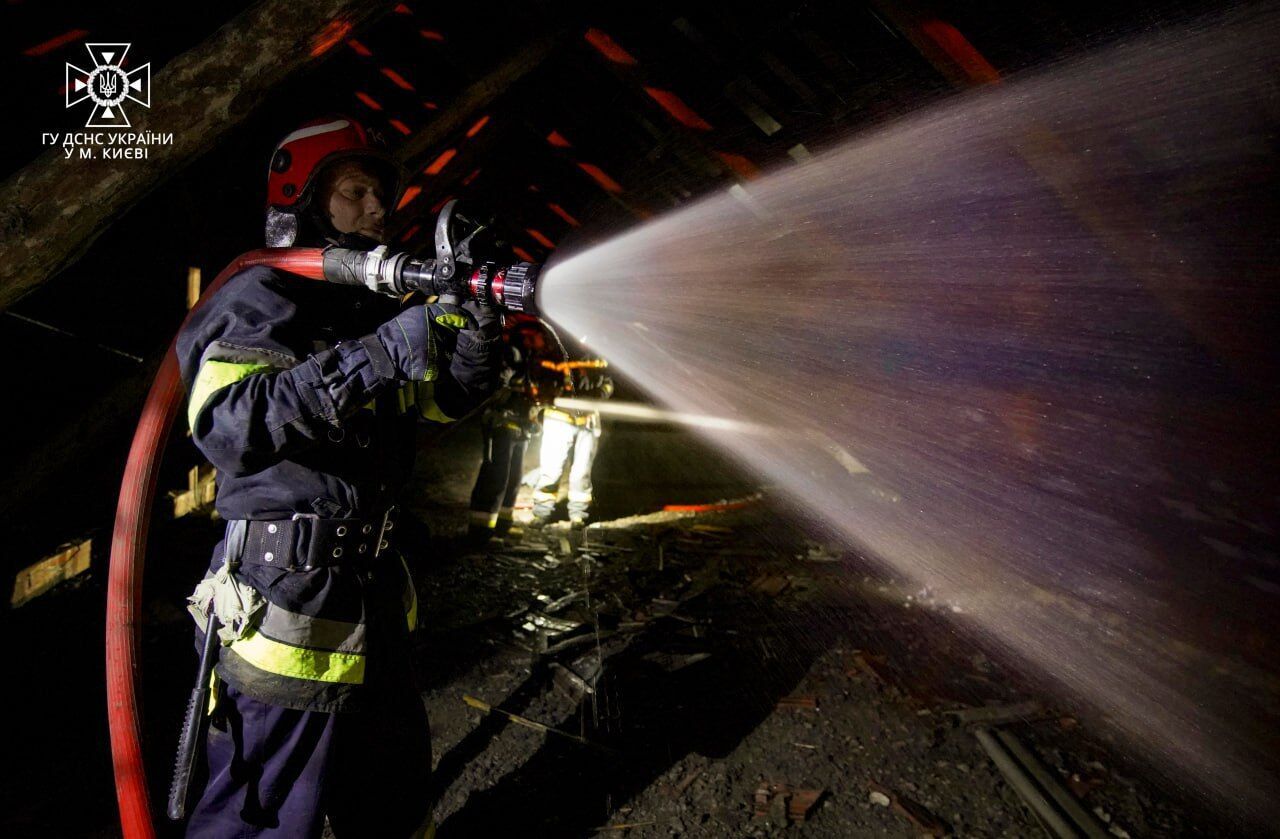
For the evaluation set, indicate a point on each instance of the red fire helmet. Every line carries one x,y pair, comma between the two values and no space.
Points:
305,152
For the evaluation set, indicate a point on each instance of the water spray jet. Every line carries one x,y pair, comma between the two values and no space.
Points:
1044,313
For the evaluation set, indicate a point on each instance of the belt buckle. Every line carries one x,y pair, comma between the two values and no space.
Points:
386,525
306,565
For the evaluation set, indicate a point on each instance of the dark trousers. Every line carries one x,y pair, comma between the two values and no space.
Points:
277,772
497,486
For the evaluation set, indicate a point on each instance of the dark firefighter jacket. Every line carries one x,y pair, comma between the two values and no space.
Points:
284,401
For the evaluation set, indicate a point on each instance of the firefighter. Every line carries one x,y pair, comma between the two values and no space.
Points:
304,395
573,436
509,423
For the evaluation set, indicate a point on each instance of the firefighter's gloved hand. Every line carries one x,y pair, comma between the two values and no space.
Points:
487,321
479,347
449,316
408,343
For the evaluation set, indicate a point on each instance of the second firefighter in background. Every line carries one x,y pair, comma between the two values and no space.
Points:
572,436
510,422
537,373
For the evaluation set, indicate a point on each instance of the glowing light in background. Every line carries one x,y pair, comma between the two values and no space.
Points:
333,33
409,195
678,109
54,43
598,175
608,47
440,162
396,79
563,214
541,238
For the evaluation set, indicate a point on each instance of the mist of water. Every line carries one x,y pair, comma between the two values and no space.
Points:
1041,316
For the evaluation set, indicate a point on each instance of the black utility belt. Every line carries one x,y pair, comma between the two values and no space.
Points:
306,543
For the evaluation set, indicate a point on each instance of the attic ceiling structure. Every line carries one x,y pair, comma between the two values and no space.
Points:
577,123
569,124
673,105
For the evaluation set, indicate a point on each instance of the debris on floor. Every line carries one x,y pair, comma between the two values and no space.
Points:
739,680
781,804
919,816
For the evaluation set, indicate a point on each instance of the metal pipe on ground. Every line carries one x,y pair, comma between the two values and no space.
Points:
1050,784
1053,805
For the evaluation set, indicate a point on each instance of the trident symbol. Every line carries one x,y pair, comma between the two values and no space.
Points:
108,85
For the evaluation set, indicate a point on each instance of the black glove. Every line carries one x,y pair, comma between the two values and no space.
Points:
477,352
465,316
447,314
486,318
407,342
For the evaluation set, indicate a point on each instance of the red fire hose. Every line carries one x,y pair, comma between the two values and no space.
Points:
128,552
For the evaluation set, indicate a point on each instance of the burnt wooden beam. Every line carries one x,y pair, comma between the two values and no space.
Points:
51,211
479,95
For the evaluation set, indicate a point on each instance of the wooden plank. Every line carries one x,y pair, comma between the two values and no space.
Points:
35,580
193,286
201,492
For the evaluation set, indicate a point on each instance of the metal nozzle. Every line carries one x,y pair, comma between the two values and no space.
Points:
518,292
513,288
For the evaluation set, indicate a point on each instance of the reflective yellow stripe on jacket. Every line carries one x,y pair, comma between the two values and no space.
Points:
214,376
299,662
316,649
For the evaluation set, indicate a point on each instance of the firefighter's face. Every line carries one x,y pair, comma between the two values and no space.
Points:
355,200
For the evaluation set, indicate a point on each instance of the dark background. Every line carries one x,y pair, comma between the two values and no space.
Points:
820,70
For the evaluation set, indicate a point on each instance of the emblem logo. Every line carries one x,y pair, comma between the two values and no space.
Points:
108,85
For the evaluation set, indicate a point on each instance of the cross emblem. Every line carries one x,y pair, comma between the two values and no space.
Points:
107,85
